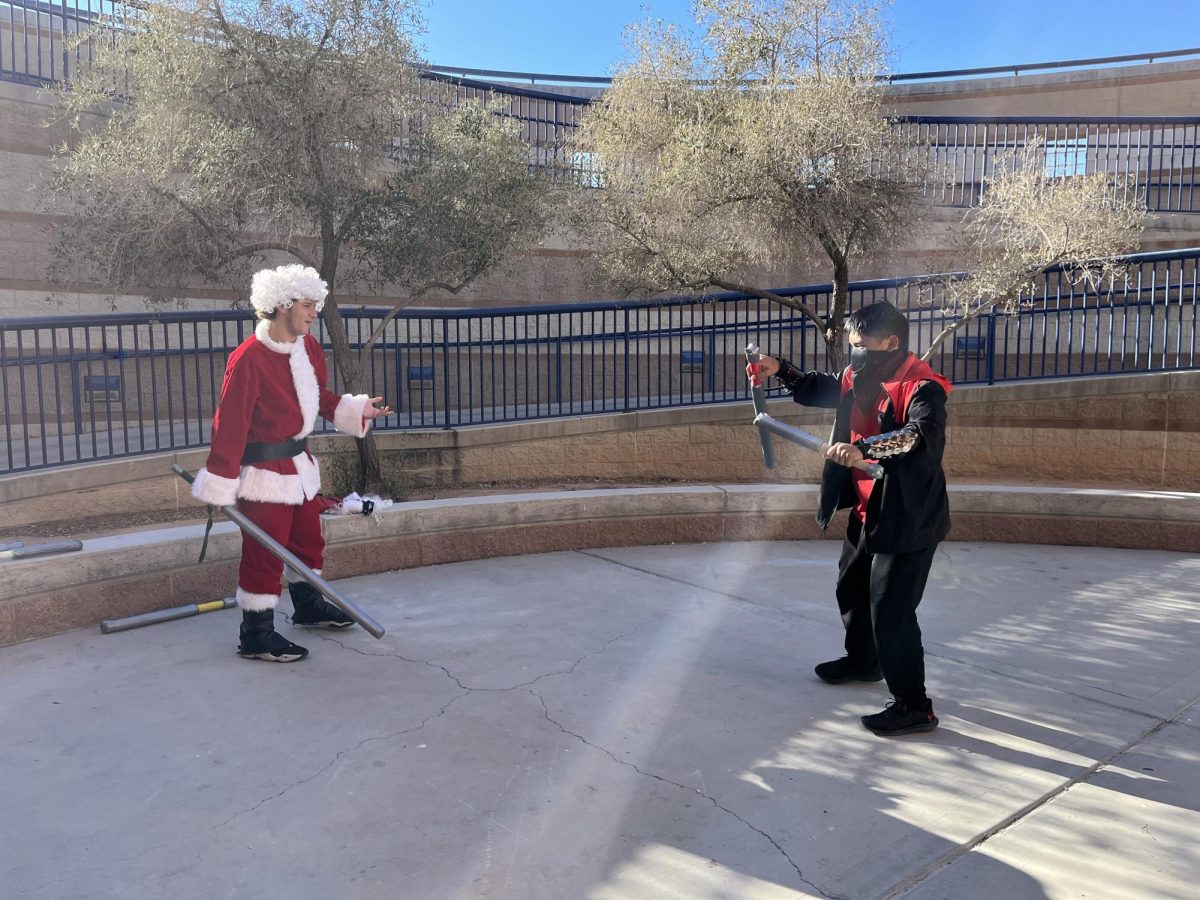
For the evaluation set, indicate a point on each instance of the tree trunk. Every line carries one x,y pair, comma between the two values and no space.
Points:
349,367
835,322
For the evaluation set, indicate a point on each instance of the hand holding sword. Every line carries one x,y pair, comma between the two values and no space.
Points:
759,366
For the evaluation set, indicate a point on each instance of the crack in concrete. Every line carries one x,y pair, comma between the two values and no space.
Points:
338,755
789,616
570,670
1029,809
1043,683
36,891
528,685
683,787
466,690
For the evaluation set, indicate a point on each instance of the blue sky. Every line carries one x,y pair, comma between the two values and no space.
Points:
927,34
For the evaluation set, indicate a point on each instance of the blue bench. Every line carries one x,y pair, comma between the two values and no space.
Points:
102,388
968,347
420,377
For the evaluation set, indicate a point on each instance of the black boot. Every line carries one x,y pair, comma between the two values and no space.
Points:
899,717
840,671
312,609
260,640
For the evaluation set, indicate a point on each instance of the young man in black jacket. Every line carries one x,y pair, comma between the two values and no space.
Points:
891,407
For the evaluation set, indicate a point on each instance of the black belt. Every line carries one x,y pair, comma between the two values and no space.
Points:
259,452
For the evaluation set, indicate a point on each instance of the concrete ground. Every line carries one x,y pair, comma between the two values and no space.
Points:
624,723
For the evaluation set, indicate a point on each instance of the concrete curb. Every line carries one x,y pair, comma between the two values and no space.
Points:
134,573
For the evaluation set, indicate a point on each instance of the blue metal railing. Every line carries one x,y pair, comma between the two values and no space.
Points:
82,388
1153,156
1017,69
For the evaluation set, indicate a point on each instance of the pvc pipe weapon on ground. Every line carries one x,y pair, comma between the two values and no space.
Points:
20,552
290,559
108,626
11,545
759,397
804,439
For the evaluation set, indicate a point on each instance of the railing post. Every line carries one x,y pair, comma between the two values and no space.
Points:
1150,168
66,52
446,373
991,343
76,397
625,331
711,368
557,370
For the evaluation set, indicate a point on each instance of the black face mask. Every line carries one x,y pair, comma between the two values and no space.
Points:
872,364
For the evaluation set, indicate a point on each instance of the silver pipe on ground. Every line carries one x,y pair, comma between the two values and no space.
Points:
20,552
108,626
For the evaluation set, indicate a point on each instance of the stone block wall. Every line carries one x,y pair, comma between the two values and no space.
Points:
1129,431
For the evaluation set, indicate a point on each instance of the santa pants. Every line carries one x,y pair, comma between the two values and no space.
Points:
298,528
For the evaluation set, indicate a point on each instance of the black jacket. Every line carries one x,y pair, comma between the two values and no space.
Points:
908,509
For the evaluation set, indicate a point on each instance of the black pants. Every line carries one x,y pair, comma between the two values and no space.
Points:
878,594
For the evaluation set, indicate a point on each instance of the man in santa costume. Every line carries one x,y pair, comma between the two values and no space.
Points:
274,389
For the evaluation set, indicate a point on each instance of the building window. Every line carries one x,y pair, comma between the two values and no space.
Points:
589,172
1066,157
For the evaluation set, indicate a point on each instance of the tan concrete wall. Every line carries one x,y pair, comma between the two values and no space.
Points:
1135,89
557,270
1137,431
1132,431
130,574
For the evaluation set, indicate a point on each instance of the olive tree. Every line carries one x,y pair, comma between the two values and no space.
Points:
210,136
756,138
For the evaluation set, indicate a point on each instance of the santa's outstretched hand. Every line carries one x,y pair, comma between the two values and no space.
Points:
370,411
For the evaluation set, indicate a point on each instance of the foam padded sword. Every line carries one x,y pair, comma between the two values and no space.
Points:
759,396
336,597
768,425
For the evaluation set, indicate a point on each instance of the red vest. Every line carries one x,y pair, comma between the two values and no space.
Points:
903,384
913,372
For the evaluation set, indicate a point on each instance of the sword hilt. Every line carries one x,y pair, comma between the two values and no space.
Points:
753,356
759,397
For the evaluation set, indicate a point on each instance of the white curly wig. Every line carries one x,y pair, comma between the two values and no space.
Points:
272,288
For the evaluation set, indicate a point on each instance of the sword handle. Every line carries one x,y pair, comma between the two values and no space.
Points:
759,396
874,469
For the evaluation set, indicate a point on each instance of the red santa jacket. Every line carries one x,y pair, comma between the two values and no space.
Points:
272,392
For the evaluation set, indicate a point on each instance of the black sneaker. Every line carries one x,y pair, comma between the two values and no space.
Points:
902,718
260,640
840,671
313,610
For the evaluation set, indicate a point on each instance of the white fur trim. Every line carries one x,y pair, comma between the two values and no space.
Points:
265,486
310,474
215,490
262,331
256,602
304,379
271,288
348,415
307,392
